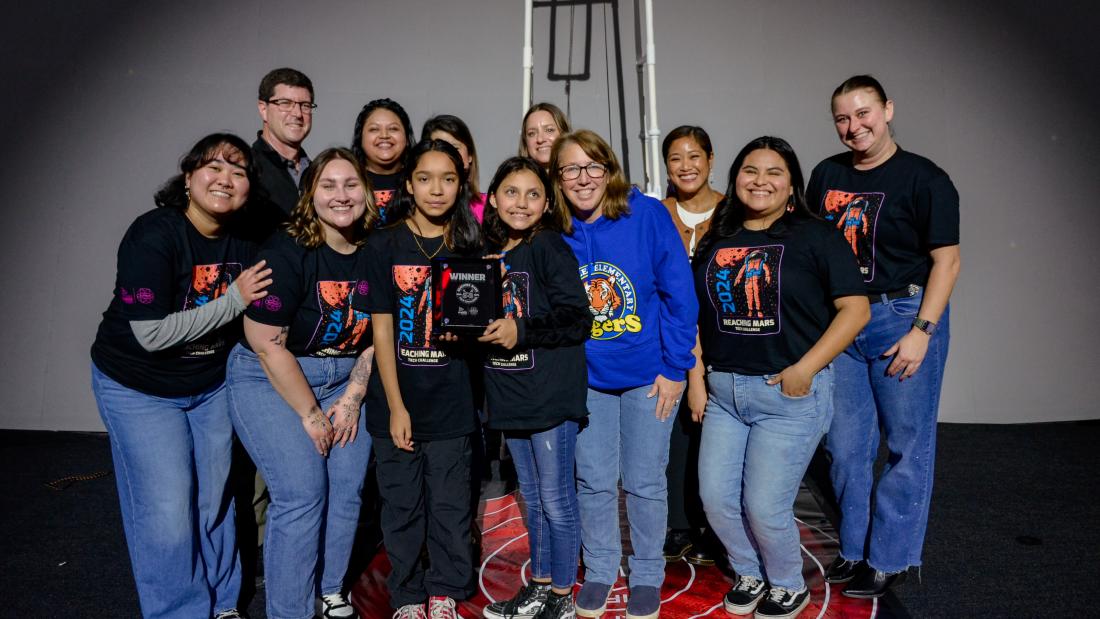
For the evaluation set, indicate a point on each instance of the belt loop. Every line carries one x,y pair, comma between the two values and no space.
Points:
885,298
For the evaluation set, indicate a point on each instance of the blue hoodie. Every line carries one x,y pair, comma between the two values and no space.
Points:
640,293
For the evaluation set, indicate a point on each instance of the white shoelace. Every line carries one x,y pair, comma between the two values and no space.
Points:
747,583
410,611
442,609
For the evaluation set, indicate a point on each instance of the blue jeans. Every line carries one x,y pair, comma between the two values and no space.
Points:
544,466
315,501
756,445
171,459
623,437
867,400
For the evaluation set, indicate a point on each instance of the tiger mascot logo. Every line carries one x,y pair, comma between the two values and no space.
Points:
611,300
602,298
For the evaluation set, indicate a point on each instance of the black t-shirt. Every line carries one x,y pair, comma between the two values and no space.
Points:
543,380
434,377
765,300
891,216
166,266
320,294
384,187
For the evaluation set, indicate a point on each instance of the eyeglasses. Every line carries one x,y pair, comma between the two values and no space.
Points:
286,105
573,172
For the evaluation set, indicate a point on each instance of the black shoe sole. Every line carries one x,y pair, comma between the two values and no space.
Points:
839,581
699,562
674,558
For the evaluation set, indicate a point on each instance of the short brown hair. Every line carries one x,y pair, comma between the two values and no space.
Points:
304,226
290,77
614,202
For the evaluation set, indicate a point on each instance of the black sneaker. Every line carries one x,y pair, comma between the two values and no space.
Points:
526,603
558,607
677,544
783,603
744,596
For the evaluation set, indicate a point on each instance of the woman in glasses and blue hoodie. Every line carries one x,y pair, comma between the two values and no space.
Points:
644,311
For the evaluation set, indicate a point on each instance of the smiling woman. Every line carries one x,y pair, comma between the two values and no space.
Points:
158,367
638,281
297,382
899,214
381,136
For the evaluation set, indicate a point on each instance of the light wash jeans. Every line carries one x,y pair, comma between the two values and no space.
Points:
315,501
756,445
171,458
868,401
623,439
544,466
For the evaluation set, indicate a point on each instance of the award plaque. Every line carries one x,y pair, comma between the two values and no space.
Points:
466,295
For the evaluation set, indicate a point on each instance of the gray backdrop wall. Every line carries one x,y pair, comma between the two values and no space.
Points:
103,98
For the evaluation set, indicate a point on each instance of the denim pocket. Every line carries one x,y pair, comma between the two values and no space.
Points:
906,306
778,387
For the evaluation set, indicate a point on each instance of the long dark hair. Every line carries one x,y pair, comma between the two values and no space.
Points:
173,193
461,233
729,216
361,119
496,231
697,134
453,125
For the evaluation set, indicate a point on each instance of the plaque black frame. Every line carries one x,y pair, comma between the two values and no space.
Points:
445,317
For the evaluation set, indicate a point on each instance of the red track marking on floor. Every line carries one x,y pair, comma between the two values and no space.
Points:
689,592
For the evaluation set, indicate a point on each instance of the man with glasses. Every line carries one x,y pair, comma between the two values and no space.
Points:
286,108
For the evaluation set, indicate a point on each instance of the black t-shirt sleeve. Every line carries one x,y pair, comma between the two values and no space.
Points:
284,295
379,273
937,204
838,265
147,273
568,322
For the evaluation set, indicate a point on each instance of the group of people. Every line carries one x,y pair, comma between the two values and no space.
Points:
772,315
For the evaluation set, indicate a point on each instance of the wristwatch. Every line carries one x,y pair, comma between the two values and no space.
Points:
927,326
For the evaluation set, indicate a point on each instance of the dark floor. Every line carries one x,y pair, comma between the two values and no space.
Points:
1014,529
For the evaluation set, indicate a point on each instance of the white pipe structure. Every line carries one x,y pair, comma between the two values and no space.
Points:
653,158
528,53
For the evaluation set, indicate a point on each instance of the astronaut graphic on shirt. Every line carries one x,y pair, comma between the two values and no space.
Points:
743,286
208,282
413,322
341,326
516,289
855,215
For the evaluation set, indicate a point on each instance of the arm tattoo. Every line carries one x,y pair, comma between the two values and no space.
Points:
361,372
280,337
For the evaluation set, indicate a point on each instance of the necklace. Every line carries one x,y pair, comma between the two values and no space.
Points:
416,239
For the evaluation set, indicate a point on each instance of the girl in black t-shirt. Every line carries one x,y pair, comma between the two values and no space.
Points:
899,214
779,296
158,373
297,382
420,406
535,378
382,135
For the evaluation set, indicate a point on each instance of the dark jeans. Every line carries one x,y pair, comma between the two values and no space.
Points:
426,500
685,510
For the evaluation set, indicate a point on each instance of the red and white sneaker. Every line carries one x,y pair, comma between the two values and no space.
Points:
442,607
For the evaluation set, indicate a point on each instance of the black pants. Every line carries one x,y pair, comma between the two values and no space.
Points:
685,509
426,500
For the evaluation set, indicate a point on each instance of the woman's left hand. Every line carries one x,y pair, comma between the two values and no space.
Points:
668,395
344,413
908,354
794,381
